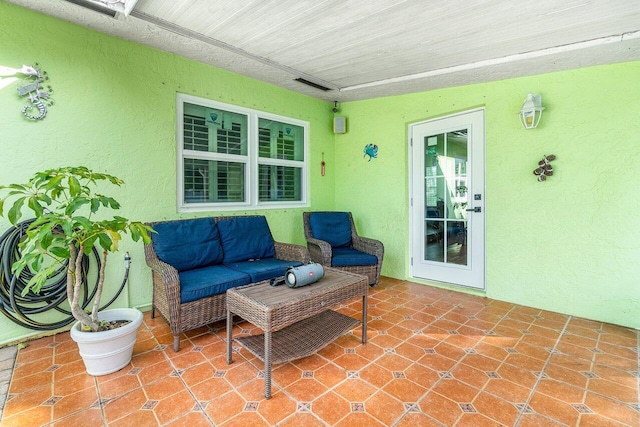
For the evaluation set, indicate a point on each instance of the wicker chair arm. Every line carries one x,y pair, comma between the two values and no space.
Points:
319,250
291,252
368,246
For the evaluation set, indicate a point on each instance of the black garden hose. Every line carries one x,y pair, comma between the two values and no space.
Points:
20,309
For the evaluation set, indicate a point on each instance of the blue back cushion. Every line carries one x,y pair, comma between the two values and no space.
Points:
245,237
187,244
332,227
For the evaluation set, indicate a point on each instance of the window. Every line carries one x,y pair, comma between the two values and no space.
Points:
232,157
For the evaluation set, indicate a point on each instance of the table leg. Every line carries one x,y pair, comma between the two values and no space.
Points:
267,365
229,336
364,319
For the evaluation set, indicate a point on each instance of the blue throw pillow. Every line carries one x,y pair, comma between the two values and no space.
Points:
332,227
245,237
187,244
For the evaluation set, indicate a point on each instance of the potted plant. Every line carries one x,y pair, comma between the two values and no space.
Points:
68,223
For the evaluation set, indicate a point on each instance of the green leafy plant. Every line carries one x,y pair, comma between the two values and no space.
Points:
65,205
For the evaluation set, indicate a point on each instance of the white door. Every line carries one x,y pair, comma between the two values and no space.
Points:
447,199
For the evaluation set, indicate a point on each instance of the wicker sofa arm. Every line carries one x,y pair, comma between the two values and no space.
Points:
368,246
319,250
168,273
291,252
169,288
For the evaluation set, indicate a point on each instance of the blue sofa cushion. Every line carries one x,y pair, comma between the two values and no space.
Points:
187,244
332,227
263,269
208,281
349,257
245,237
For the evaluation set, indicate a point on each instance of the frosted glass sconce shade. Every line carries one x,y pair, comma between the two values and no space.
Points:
531,111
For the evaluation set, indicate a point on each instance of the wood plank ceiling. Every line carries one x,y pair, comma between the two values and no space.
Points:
367,48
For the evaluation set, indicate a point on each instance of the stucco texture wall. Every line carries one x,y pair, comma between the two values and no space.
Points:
569,244
115,112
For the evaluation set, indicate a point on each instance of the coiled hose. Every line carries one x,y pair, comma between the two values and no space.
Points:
23,310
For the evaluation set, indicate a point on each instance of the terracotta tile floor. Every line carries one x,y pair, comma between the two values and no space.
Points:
434,358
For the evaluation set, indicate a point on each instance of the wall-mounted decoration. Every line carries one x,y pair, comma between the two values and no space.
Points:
544,167
31,85
371,150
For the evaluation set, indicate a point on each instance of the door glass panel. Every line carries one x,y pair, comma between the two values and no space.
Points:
457,242
446,197
434,241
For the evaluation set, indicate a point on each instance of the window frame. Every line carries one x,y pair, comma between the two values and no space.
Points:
251,161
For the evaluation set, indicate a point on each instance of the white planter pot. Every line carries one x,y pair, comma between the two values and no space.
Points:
108,351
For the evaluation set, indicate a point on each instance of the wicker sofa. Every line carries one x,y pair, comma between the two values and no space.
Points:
194,261
333,241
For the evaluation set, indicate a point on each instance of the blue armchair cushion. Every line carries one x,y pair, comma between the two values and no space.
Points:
349,257
187,244
245,237
332,227
263,269
209,281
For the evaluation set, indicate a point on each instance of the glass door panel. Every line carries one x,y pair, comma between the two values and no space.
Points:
445,195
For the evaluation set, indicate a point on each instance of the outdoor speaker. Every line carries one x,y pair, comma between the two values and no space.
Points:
339,124
303,275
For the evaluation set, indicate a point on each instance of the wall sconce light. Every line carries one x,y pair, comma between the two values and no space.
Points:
531,111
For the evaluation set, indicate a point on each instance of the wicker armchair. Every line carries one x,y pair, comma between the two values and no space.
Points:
183,317
352,249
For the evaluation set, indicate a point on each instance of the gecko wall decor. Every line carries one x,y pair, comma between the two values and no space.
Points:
31,85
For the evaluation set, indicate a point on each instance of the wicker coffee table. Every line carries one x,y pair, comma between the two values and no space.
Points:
296,322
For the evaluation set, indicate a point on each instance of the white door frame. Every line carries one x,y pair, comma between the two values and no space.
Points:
473,274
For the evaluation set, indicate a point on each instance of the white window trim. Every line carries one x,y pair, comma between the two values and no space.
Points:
251,161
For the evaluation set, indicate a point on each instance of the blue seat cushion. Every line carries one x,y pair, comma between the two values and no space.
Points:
244,238
187,244
208,281
349,257
263,269
332,227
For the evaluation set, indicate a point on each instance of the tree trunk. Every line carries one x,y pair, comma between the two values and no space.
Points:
74,283
96,299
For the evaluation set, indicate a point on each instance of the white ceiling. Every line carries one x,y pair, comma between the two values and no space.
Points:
370,48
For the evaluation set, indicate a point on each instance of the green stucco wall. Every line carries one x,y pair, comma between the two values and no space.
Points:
115,112
570,244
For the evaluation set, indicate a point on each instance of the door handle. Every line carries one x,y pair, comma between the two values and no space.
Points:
476,209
